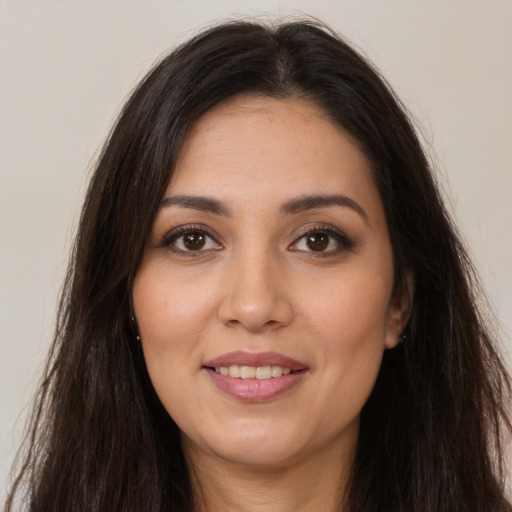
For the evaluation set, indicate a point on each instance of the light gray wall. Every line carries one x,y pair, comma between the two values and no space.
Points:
66,67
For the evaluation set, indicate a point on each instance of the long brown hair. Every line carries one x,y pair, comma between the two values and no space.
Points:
430,437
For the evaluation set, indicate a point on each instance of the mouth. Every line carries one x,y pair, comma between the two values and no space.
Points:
254,372
255,377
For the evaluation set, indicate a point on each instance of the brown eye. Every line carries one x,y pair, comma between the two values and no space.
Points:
190,240
194,240
324,240
317,241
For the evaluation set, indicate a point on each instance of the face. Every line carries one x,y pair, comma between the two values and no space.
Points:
265,296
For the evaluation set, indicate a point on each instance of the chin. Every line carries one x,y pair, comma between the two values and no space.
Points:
267,446
265,454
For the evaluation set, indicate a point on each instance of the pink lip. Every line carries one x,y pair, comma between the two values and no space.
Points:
243,358
255,390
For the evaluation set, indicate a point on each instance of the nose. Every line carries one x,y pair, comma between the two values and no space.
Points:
255,296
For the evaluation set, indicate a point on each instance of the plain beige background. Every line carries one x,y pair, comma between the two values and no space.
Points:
65,68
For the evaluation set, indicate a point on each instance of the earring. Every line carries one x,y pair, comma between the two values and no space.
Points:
135,328
402,338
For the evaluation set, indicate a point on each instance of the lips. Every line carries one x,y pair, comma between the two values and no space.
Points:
243,358
255,377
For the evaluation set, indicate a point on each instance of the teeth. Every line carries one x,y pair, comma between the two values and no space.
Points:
277,371
234,371
253,372
247,372
263,372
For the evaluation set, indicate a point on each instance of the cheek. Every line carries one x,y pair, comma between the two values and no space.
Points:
351,309
171,311
349,326
171,316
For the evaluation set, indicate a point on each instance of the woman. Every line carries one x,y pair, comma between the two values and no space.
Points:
267,307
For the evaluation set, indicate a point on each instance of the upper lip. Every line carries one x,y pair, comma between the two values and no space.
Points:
243,358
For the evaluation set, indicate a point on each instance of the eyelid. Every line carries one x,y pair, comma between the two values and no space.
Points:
339,236
178,231
343,241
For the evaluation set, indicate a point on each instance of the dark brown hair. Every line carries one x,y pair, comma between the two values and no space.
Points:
430,432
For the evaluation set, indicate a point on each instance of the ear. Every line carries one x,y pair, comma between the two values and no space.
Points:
399,310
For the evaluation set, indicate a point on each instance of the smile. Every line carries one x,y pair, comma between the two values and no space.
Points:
255,377
253,372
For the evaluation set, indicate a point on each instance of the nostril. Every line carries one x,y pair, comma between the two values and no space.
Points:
255,305
254,326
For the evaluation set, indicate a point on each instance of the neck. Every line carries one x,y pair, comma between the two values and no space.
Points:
315,484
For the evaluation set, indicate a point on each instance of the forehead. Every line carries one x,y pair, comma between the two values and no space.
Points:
261,149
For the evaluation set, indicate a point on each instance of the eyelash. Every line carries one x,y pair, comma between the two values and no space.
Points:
171,238
343,241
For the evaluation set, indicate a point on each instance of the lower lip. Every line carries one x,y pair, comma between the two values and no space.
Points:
255,390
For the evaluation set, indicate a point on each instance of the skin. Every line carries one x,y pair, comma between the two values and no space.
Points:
256,285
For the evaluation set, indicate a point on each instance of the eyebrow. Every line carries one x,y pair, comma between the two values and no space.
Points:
305,203
300,204
201,203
